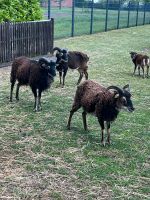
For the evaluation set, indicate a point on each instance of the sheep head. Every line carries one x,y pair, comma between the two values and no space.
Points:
48,64
133,55
58,53
122,97
61,55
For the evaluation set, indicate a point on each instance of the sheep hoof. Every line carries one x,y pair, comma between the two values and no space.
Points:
108,142
68,127
103,143
36,110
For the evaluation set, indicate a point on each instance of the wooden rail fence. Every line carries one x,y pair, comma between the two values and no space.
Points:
25,39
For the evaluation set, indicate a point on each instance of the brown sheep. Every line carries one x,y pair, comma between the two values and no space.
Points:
73,60
140,61
39,75
104,103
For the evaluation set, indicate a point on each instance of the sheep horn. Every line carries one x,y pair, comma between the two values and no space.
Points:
57,49
120,92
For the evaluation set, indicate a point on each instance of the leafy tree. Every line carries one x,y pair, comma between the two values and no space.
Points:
19,10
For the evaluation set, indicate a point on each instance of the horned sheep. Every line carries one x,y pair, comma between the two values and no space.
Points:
73,60
39,75
104,103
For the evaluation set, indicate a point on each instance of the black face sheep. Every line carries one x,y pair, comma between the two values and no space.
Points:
140,61
104,103
61,63
73,60
39,75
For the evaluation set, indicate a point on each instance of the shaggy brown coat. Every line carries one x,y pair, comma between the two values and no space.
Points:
140,61
101,102
36,74
76,60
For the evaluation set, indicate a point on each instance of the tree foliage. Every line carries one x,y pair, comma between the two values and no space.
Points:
19,10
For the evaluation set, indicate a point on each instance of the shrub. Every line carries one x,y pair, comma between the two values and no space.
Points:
20,10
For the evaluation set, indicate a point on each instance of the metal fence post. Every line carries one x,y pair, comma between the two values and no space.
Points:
137,13
106,19
49,9
118,15
144,13
73,8
91,24
128,22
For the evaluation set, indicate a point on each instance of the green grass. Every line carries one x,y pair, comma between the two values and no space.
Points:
82,20
41,159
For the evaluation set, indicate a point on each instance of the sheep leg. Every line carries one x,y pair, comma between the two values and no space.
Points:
135,66
35,96
101,122
64,75
38,96
108,132
74,109
17,92
143,71
80,78
86,75
40,108
60,75
147,70
37,99
139,70
84,113
11,90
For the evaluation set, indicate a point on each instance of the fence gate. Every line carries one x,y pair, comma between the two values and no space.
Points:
25,39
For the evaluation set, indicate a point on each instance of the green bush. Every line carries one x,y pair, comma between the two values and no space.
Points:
20,10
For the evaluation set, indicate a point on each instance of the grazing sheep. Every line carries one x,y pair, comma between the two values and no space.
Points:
73,60
104,103
39,75
140,61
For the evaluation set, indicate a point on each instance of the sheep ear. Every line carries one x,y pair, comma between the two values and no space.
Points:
127,88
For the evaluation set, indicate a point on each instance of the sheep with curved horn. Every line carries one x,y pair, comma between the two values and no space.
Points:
104,103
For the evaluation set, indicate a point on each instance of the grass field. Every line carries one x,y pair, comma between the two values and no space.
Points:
82,19
41,159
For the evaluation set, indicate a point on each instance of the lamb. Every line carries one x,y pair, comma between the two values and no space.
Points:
39,75
73,60
104,103
140,61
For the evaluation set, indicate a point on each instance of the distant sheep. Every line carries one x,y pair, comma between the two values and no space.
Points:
140,61
39,75
104,103
73,60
